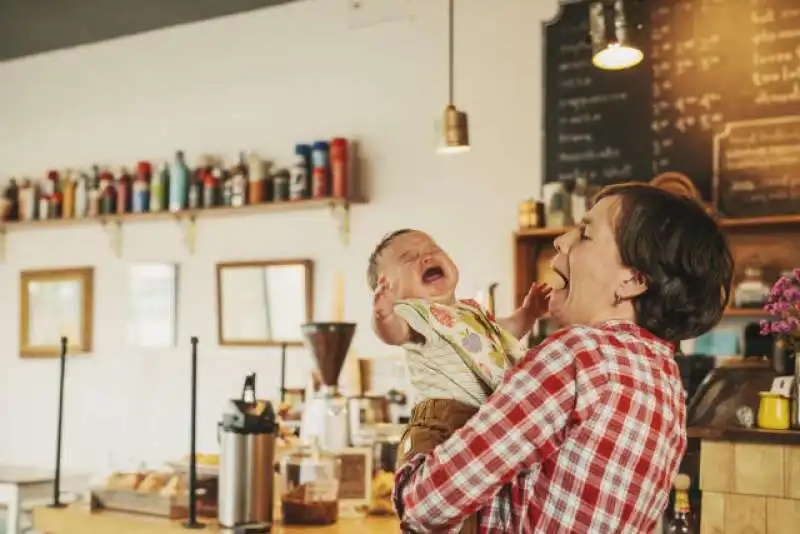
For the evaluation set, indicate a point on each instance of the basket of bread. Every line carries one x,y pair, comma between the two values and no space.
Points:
162,494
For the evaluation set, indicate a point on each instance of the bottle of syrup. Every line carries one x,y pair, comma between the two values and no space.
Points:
682,521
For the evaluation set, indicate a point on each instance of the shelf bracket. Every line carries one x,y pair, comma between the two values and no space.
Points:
341,214
188,226
113,229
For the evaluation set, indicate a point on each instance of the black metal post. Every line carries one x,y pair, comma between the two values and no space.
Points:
283,372
57,478
192,522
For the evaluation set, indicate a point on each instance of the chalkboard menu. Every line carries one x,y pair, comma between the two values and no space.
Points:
717,98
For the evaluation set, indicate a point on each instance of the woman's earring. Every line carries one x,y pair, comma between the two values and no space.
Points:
617,300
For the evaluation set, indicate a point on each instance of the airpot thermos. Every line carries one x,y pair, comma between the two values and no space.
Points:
247,435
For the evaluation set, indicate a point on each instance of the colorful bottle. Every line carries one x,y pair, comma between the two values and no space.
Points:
179,183
320,161
339,168
44,207
257,178
141,188
28,200
211,188
159,188
682,521
82,196
124,193
298,183
68,188
108,195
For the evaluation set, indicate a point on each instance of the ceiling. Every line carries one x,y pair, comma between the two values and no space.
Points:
30,27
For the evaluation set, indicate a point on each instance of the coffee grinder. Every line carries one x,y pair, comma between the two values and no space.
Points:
325,415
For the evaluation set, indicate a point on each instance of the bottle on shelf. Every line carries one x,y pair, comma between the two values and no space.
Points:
82,196
159,189
179,183
299,187
320,173
682,521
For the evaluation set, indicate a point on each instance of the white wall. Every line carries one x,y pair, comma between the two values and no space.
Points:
261,80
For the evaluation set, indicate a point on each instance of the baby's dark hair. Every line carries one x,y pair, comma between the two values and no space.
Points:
372,267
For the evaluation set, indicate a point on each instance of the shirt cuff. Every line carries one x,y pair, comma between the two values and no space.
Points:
400,480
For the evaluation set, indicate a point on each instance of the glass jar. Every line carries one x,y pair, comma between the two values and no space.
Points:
309,485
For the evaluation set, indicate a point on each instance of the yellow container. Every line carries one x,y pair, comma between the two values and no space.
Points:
773,411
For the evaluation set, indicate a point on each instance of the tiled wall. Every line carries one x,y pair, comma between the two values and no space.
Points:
750,488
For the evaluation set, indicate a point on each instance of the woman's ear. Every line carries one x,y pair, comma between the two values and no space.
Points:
632,286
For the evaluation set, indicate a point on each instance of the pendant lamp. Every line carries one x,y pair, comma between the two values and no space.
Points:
613,35
456,126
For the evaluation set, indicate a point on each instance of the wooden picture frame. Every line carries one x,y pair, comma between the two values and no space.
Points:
250,338
355,485
56,303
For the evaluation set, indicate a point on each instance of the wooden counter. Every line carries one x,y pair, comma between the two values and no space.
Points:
746,435
78,520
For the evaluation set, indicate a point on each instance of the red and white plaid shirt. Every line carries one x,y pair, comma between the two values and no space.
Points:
584,435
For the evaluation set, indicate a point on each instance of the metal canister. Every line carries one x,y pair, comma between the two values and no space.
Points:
247,435
320,162
280,185
298,183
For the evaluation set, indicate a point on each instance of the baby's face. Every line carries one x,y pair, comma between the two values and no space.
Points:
419,269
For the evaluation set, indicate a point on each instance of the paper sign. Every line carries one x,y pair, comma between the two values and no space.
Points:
782,385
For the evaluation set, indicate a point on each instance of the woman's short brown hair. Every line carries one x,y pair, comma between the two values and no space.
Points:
681,252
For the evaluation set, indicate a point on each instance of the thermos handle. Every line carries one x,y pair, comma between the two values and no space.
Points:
219,432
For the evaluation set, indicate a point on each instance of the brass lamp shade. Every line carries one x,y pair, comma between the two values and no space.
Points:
613,36
456,131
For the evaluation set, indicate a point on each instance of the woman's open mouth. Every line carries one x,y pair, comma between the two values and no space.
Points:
432,274
562,279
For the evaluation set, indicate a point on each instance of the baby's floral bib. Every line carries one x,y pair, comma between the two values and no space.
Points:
486,349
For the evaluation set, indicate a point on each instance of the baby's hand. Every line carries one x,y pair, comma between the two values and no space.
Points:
384,299
536,301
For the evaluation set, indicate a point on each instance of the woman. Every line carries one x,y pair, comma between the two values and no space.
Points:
586,433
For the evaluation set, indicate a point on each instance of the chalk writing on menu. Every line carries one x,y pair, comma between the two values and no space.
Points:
711,66
760,163
581,105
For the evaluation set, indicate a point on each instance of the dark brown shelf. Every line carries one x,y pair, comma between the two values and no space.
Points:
745,312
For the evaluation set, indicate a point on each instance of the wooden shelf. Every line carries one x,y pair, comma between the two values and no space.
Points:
340,209
745,312
270,207
770,241
755,223
758,222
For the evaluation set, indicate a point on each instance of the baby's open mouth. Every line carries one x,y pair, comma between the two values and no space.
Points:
432,274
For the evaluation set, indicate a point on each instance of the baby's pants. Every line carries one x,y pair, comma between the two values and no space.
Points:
432,422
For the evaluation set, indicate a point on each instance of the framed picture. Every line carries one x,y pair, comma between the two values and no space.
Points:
152,304
355,486
54,304
263,303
